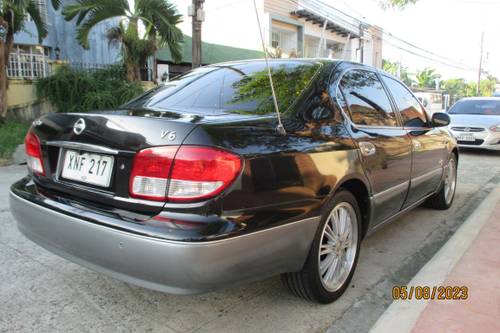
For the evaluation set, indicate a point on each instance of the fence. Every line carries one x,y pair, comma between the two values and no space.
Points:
27,66
32,66
146,72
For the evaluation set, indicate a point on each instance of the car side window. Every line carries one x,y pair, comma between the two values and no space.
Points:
408,105
367,101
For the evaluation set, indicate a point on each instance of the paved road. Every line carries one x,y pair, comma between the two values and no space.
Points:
43,293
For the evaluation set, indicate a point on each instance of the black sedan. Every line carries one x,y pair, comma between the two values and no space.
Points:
193,186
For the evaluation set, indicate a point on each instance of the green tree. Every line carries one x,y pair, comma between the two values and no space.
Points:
460,88
427,77
145,26
488,86
392,68
470,89
455,87
12,19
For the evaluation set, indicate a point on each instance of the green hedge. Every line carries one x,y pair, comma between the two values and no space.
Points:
76,90
12,134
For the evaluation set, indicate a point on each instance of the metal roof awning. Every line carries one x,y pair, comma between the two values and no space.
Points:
212,53
331,26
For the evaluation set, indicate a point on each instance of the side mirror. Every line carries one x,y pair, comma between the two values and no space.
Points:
440,119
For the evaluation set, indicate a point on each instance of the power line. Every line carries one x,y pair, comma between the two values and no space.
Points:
353,9
431,59
441,59
390,35
224,6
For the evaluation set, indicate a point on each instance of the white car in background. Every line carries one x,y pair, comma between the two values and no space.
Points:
475,122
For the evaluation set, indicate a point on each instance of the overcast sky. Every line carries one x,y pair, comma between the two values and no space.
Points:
451,28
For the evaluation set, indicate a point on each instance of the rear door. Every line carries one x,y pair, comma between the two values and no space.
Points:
385,146
428,143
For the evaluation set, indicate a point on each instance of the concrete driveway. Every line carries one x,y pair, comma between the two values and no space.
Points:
43,293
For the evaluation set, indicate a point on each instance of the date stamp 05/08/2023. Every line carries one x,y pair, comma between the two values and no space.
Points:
430,293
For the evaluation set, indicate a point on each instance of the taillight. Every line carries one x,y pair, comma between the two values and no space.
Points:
201,172
195,173
150,170
33,153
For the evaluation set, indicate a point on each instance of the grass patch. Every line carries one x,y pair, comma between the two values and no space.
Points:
11,135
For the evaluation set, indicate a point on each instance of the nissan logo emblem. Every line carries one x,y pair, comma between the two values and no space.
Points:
79,126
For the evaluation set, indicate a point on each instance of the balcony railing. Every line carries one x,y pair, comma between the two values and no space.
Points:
27,66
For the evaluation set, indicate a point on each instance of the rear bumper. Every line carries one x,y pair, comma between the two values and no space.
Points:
169,266
483,146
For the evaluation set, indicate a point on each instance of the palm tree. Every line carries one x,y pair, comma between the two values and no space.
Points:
394,67
144,26
427,77
12,19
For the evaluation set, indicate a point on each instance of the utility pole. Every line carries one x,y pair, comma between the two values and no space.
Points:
322,39
198,16
361,44
478,89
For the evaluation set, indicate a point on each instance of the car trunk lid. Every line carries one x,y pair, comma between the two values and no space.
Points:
104,143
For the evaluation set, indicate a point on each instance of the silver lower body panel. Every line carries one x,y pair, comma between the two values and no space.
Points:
167,266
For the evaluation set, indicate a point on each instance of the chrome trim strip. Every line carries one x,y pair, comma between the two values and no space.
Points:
59,165
140,201
424,177
83,146
392,191
398,214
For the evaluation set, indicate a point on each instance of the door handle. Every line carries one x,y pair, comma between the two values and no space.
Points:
367,148
417,145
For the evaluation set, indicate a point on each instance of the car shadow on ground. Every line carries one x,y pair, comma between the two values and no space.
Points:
479,152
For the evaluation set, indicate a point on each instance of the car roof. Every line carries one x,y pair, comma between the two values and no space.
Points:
276,60
308,61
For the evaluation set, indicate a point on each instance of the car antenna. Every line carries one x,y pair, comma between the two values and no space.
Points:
279,128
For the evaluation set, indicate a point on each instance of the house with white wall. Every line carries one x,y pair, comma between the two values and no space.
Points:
291,28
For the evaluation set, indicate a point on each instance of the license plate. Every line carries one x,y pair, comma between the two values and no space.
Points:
88,168
466,137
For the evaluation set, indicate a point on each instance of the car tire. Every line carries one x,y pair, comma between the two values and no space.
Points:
340,252
444,198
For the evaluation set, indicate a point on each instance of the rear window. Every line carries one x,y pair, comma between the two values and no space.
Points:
481,107
231,88
368,104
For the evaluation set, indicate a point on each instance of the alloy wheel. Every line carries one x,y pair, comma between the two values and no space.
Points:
338,246
450,181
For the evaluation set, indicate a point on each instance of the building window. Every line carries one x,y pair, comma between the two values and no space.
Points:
286,40
42,8
330,49
28,62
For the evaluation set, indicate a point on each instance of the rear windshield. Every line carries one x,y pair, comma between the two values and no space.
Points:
232,88
483,107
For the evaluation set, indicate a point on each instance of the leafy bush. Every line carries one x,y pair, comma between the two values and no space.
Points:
76,90
11,135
